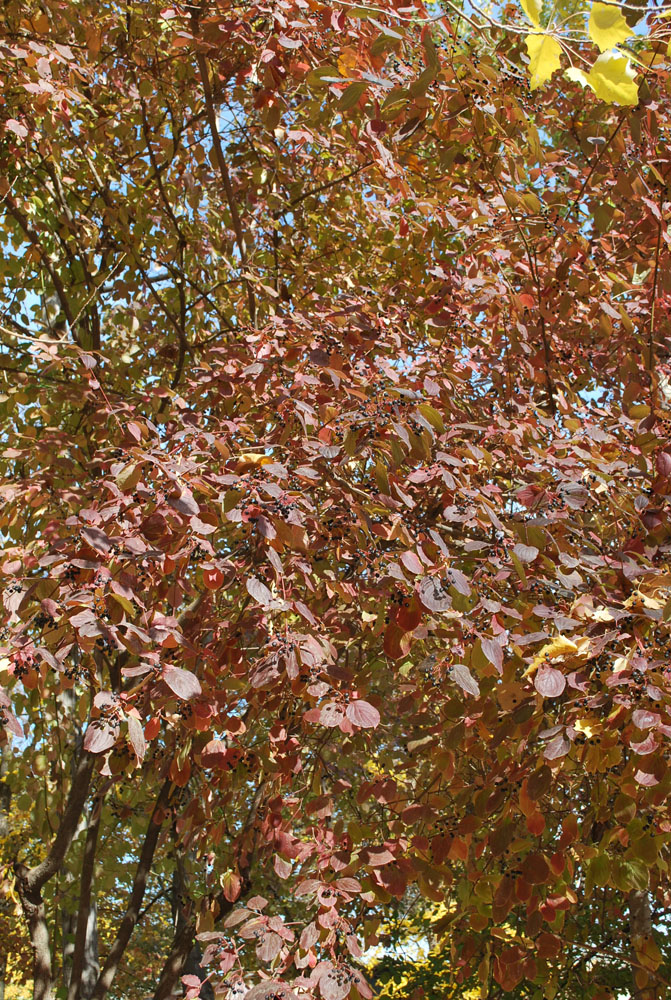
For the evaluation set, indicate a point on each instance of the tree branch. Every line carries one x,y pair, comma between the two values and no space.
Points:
185,935
81,780
59,288
30,881
132,913
226,179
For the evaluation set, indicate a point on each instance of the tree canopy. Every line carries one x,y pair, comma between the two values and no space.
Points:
335,394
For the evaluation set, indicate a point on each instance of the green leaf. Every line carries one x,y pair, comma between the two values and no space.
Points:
351,96
544,57
533,8
607,27
612,79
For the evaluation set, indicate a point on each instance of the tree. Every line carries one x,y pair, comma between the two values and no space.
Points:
336,464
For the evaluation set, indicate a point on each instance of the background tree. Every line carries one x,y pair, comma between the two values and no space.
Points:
336,456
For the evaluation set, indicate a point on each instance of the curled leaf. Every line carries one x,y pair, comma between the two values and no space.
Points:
460,673
433,595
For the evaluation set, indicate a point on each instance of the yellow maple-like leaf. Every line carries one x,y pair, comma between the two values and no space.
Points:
561,646
533,8
612,78
582,726
607,27
544,57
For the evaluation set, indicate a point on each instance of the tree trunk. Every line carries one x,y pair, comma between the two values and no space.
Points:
5,801
36,919
81,975
640,929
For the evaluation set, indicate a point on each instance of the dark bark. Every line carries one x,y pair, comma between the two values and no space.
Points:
5,802
184,942
130,918
185,951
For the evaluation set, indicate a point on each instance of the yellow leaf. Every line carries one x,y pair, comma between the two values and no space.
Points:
637,600
607,27
582,726
577,75
558,647
533,8
544,57
612,79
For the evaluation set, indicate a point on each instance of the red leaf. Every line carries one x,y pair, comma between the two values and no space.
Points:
396,642
335,984
643,719
11,722
100,736
663,463
363,715
16,127
525,553
152,728
647,746
559,746
231,883
269,947
258,590
136,737
550,682
213,578
181,682
535,869
493,652
261,593
289,43
278,991
411,562
331,715
214,754
459,581
184,503
97,539
282,867
433,595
